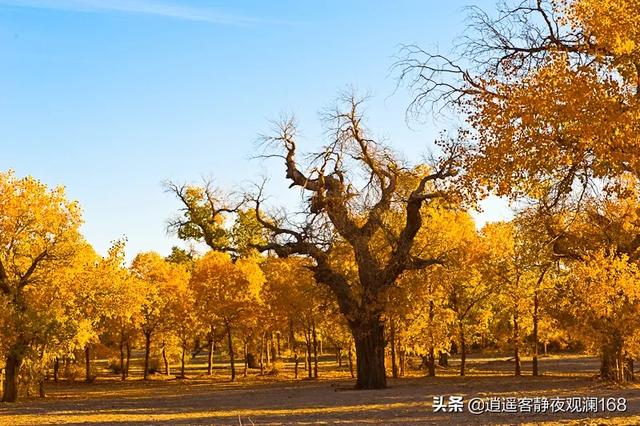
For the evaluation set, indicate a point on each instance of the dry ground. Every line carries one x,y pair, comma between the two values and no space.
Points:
269,400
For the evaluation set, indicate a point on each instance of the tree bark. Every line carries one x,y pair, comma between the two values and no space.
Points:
232,359
534,361
13,363
463,348
147,352
368,334
392,341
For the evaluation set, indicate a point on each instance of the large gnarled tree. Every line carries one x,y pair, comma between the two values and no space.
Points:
351,189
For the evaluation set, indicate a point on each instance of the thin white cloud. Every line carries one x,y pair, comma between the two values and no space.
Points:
143,7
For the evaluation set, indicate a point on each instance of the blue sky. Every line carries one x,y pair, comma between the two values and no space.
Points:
112,97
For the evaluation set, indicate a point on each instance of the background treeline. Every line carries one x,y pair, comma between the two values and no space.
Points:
500,288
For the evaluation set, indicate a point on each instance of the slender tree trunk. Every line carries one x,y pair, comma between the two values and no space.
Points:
267,349
292,336
278,344
309,350
392,341
339,356
293,347
628,370
463,348
431,357
232,359
13,363
210,357
246,360
368,333
262,355
350,357
184,350
274,352
402,360
431,362
443,358
41,390
534,361
516,345
56,369
167,370
147,353
315,350
87,363
196,348
128,347
122,370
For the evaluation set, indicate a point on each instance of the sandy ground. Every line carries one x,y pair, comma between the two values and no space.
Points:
326,401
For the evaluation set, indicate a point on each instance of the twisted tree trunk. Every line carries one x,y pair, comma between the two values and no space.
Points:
368,334
13,362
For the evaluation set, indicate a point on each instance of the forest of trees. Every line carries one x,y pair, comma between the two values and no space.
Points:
382,260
